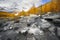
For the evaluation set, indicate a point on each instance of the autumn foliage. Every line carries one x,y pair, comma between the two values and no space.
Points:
6,15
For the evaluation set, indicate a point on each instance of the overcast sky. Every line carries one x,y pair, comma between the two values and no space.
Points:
21,4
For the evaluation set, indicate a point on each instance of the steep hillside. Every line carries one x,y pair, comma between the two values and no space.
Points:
33,10
53,6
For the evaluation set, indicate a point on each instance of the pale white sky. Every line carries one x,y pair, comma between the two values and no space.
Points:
19,4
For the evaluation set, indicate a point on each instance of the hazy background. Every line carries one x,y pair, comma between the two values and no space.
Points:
10,5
